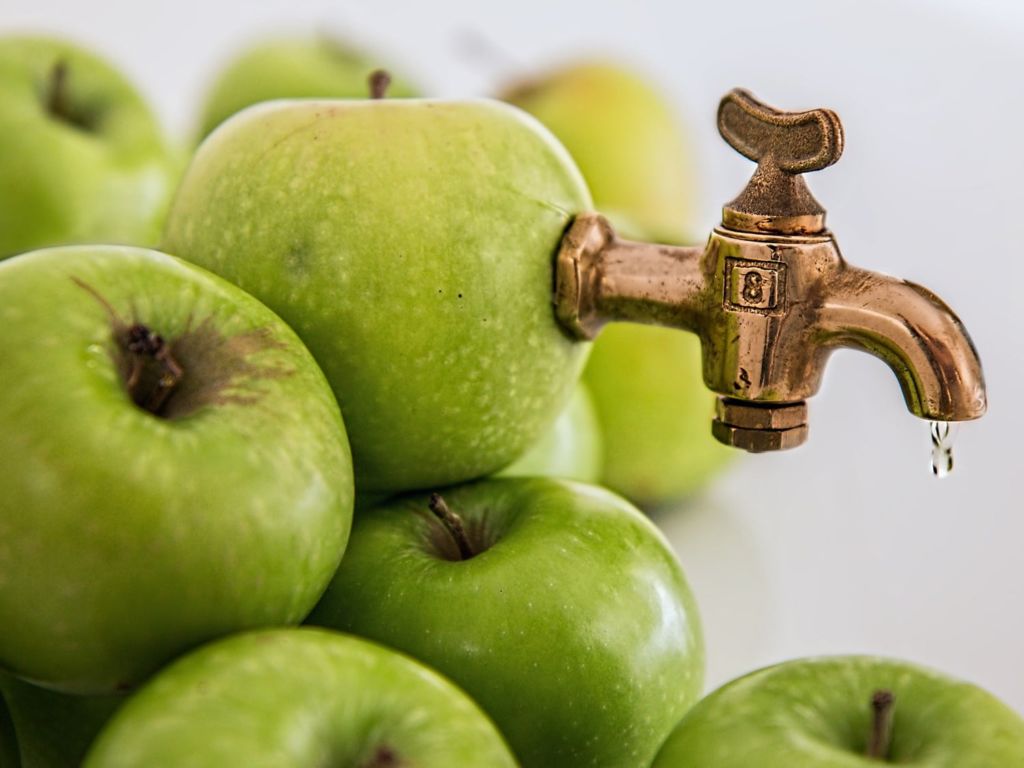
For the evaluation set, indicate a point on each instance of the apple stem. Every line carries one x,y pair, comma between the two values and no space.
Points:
143,344
57,97
379,81
882,702
452,523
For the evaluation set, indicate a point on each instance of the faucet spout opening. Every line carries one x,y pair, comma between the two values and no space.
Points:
915,333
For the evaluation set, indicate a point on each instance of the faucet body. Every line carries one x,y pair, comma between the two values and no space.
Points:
769,294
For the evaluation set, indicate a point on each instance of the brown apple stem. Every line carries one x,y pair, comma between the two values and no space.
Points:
452,523
144,346
882,702
57,96
379,81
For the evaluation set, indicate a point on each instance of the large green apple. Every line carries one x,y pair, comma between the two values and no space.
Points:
82,159
50,729
571,448
831,712
292,68
174,466
299,698
409,243
646,382
561,610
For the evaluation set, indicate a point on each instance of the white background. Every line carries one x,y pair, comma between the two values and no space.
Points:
847,544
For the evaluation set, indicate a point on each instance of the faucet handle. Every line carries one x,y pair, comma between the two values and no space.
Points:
797,142
784,145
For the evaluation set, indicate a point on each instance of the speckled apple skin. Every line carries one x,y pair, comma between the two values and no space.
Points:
125,538
410,245
575,631
296,698
815,713
571,448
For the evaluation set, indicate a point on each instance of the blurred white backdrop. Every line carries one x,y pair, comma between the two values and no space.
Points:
847,544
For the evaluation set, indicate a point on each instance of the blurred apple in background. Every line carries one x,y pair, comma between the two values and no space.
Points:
646,384
654,412
571,448
49,729
832,712
83,159
627,141
293,68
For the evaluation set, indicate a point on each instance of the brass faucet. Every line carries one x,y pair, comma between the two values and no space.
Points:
769,295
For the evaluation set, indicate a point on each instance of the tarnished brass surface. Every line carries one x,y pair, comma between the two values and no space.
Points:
770,295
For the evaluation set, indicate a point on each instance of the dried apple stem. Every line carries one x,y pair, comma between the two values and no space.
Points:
882,702
379,81
142,344
57,96
452,523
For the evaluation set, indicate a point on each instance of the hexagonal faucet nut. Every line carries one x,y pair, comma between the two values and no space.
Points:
759,427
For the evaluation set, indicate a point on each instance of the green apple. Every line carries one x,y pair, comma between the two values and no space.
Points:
409,243
646,382
299,698
52,730
292,68
174,466
571,448
835,712
654,413
627,141
557,606
83,159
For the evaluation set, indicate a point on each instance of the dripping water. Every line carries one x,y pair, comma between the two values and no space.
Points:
942,448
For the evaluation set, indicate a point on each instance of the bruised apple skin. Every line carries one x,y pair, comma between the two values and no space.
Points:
174,467
410,245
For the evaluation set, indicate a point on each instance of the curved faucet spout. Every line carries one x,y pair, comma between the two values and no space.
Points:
915,333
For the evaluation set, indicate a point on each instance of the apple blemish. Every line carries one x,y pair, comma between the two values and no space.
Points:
383,757
172,379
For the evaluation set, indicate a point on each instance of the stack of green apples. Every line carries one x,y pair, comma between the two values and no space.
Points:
357,306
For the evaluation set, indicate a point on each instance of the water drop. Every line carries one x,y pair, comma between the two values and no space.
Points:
942,448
